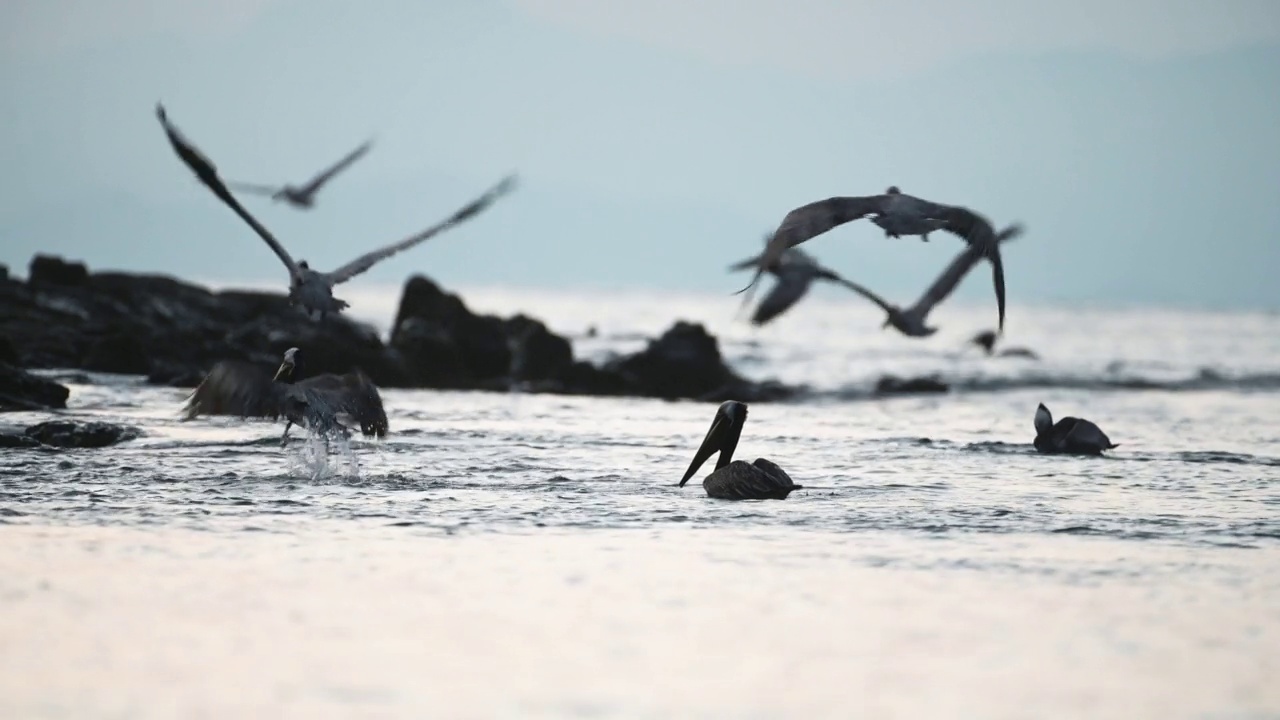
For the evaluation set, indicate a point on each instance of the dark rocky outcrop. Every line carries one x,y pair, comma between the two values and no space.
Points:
74,434
65,316
20,390
893,385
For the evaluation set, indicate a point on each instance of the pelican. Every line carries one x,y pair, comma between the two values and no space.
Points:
987,341
304,196
309,288
911,321
795,271
898,214
1069,436
737,480
324,403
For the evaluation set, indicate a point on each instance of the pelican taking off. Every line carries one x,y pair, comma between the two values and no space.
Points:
795,272
1069,436
304,196
910,322
735,479
897,214
309,288
324,403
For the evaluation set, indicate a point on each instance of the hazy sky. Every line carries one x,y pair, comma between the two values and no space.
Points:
657,140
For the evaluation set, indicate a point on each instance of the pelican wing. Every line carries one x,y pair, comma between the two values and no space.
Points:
235,387
353,395
254,188
978,232
792,285
207,172
366,261
860,289
956,271
809,221
315,183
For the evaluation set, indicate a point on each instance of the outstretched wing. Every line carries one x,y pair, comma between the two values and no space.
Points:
956,271
235,387
254,188
366,261
979,233
809,221
352,395
792,285
314,184
208,174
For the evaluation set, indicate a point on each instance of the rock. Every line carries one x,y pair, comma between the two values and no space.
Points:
536,352
431,355
17,440
891,385
4,272
52,270
20,390
748,391
685,362
117,352
73,434
8,353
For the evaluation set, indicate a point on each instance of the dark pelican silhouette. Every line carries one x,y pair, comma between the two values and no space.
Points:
911,321
735,479
308,288
303,196
987,341
325,403
1069,436
795,271
897,214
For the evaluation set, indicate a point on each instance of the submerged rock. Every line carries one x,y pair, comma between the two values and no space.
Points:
20,390
74,434
893,385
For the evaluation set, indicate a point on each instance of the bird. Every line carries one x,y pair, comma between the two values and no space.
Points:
987,341
911,321
1069,436
796,271
898,214
736,479
303,196
311,289
326,403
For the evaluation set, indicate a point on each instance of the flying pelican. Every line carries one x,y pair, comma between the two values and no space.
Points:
737,480
898,214
910,322
308,288
987,341
796,271
303,197
1069,436
324,403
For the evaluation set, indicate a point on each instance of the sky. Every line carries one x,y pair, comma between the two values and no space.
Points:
657,141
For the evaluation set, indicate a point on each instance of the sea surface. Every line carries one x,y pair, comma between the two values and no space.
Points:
515,555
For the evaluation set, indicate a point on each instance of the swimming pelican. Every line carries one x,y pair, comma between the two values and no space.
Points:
911,321
308,288
735,479
898,214
795,272
324,403
1069,436
304,196
987,341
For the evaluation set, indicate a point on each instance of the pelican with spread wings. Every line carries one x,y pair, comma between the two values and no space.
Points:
895,212
303,196
911,321
796,272
309,288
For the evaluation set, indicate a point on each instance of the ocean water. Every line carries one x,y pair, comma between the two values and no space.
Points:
511,555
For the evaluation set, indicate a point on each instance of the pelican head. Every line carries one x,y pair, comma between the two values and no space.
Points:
302,265
723,436
893,190
292,358
1044,420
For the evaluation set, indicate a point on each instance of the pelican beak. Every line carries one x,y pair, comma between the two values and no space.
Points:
285,370
711,444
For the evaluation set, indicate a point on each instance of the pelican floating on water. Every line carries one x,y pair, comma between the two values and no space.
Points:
736,479
897,214
308,288
1069,436
303,196
987,341
911,321
795,271
325,403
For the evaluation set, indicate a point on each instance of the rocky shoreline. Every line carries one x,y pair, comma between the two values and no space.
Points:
64,316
